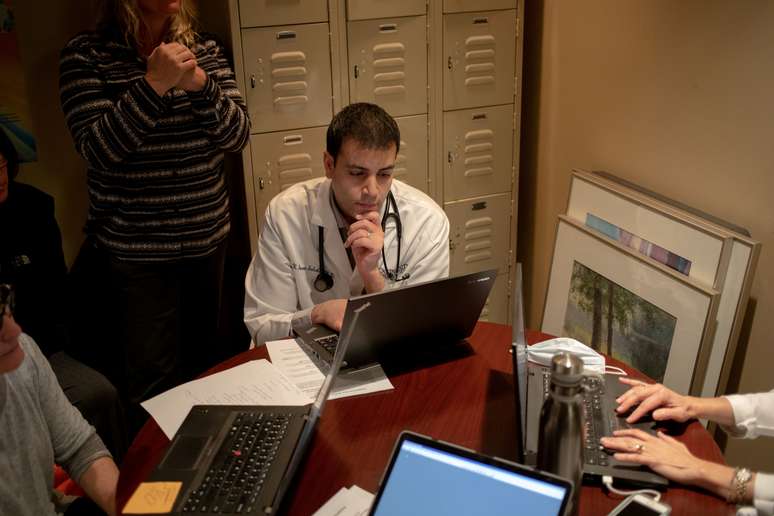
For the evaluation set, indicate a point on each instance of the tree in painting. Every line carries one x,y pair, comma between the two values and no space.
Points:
617,322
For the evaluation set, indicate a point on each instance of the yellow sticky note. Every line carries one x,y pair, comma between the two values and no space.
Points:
153,498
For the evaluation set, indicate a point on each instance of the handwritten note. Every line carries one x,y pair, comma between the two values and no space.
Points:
256,382
153,498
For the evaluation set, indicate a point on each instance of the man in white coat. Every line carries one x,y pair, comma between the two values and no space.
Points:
375,233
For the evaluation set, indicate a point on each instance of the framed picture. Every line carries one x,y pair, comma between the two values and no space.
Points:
629,306
712,252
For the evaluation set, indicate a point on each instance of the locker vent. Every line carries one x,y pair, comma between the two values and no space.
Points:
389,69
478,239
289,79
400,169
479,153
294,168
480,60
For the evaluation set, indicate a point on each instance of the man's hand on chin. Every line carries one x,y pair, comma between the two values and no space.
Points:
366,239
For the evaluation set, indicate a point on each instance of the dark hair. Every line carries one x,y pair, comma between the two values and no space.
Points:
9,153
368,124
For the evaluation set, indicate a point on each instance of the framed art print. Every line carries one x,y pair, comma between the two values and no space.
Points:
714,253
628,306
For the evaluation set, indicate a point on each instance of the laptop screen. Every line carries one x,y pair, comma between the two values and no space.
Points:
519,349
439,480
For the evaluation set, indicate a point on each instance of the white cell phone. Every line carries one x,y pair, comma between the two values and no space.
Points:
641,505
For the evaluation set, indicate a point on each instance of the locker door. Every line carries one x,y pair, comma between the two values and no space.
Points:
283,159
479,234
388,64
287,76
478,145
496,306
263,13
480,53
411,163
461,6
370,9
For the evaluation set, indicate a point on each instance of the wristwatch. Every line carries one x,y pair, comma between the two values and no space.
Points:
742,477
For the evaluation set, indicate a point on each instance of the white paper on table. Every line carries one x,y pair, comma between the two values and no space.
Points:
293,361
256,382
354,501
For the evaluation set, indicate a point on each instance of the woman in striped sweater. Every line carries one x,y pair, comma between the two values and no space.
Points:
152,107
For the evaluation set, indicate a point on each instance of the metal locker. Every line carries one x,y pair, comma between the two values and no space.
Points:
370,9
263,13
480,53
283,159
287,76
479,234
478,149
411,163
496,307
388,63
462,6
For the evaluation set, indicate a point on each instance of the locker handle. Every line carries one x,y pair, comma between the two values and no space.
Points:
356,71
286,34
449,157
293,140
252,80
260,183
449,63
388,27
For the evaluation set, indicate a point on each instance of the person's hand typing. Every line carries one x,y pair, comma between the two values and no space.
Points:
330,313
664,403
366,239
167,65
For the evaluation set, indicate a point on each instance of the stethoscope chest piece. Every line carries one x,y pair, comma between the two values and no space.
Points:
323,281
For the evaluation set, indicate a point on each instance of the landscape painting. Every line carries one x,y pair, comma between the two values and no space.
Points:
617,322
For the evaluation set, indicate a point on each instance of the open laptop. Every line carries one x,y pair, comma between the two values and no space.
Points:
436,313
531,383
434,478
241,459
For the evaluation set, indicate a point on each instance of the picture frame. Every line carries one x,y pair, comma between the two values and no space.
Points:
657,319
721,255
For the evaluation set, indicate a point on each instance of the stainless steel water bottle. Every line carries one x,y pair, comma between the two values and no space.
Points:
560,442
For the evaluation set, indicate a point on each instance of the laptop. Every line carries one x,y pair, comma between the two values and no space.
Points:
418,317
241,459
435,478
531,384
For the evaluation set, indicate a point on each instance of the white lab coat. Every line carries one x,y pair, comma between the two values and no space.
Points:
279,285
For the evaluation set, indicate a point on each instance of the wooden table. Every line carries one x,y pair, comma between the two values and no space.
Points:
467,401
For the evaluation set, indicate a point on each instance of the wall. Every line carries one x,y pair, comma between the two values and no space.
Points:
675,96
44,27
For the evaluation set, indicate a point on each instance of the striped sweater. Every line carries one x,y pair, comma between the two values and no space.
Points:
157,190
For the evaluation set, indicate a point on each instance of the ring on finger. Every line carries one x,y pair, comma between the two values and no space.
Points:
639,448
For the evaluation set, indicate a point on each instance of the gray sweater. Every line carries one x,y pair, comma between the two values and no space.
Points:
39,427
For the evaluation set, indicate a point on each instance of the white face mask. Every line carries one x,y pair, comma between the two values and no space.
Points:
542,352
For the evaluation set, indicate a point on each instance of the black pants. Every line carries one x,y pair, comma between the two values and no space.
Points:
96,398
167,324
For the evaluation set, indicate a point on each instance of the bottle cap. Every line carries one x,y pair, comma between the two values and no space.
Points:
566,369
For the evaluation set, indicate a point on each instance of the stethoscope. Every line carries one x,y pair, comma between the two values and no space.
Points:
324,279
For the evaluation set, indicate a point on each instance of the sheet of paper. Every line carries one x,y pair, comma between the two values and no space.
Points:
293,361
153,498
256,382
353,501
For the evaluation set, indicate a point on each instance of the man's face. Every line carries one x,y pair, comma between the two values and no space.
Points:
11,354
361,177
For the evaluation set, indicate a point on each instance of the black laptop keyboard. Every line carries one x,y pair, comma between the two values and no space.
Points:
329,343
596,425
238,472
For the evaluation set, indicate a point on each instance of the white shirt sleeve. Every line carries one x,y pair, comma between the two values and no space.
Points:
763,493
271,299
753,414
431,259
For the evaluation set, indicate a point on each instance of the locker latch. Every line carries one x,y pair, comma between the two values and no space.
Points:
449,63
356,71
260,183
252,80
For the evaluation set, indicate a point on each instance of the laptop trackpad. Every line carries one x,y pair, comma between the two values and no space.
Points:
185,452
